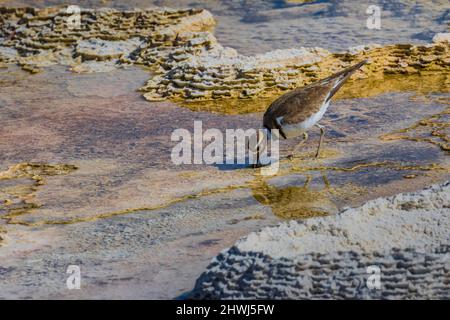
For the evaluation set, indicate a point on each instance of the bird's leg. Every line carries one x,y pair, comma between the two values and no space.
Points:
257,155
322,133
261,146
256,165
295,150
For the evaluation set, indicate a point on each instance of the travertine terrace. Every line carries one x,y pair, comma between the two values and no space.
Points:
36,38
405,236
185,58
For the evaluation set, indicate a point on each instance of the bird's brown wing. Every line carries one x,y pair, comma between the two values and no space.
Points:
298,105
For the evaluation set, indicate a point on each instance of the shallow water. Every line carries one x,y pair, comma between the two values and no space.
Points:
121,146
127,210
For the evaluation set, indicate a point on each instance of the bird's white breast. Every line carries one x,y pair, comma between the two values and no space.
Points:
296,129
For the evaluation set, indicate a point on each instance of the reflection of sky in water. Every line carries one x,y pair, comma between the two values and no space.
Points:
258,26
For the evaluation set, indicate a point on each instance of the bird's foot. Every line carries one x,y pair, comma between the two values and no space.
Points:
259,165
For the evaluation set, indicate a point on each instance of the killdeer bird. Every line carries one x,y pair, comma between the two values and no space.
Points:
297,111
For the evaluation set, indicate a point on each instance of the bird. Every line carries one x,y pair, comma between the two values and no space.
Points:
297,111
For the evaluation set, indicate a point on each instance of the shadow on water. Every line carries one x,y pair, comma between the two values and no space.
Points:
234,166
247,164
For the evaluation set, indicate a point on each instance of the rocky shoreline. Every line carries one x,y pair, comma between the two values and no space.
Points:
187,61
405,236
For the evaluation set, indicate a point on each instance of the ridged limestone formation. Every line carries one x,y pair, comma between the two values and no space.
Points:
405,236
186,60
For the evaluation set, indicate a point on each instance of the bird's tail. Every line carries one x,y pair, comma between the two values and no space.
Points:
342,76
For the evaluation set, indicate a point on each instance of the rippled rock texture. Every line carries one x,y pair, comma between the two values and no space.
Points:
406,274
35,38
221,72
406,236
187,61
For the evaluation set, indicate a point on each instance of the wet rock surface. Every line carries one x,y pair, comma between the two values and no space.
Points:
405,236
121,146
133,220
121,209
